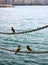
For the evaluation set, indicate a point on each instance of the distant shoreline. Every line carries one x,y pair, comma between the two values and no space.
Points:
11,5
28,4
6,5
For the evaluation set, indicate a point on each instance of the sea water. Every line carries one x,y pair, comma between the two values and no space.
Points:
24,18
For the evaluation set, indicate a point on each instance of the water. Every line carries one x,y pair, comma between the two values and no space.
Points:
24,18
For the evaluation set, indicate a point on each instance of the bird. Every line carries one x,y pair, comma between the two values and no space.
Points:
28,48
13,30
18,49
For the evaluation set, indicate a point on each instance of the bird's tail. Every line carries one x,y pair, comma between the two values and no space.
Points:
15,52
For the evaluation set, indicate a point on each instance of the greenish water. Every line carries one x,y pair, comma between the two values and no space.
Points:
24,18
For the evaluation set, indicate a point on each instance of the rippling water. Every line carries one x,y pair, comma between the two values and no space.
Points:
24,18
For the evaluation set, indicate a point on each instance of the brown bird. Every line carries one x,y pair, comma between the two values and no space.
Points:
18,49
13,30
28,48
